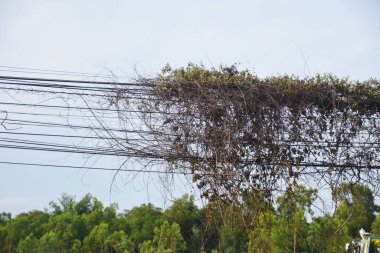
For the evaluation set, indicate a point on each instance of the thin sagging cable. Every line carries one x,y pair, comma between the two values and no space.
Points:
125,153
14,122
87,116
68,136
91,116
72,81
33,143
117,94
81,108
89,88
149,141
107,95
63,115
95,91
79,90
95,168
18,123
142,170
61,107
58,72
97,147
138,153
126,110
8,121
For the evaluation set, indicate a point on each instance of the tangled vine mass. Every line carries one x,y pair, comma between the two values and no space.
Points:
236,133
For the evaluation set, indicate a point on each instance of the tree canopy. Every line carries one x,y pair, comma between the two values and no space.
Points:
286,225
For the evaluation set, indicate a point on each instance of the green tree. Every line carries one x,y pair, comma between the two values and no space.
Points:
167,239
65,203
24,225
95,216
224,227
232,231
49,243
375,228
260,218
290,230
76,248
28,245
68,227
142,220
290,233
184,212
356,207
96,241
260,239
120,243
4,219
85,205
147,247
327,235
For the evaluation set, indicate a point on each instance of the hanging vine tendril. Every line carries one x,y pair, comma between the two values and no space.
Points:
236,132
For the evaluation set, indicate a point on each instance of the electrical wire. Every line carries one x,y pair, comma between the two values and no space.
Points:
134,91
57,72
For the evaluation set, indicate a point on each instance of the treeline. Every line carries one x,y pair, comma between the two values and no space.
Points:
254,226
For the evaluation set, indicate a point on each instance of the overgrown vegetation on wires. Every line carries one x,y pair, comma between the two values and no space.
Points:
237,132
249,144
255,147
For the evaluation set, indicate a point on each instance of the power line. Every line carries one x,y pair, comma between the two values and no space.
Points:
129,154
109,95
132,148
73,81
77,136
322,144
95,168
151,171
81,108
8,121
62,115
58,72
142,153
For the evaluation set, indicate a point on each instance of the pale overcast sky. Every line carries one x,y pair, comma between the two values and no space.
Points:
270,37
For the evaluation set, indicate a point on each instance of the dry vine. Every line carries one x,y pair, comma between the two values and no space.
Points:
235,132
